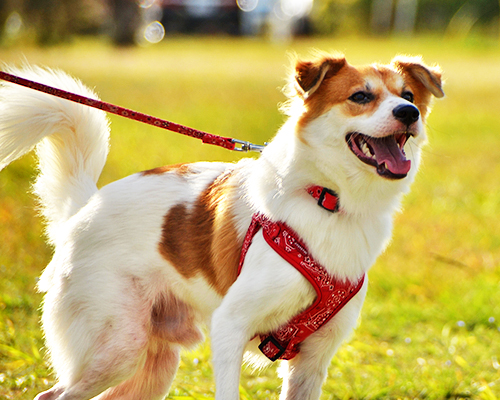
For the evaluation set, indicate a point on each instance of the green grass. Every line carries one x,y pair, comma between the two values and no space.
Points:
430,324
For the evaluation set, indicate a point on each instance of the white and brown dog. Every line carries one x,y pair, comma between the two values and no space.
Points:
143,263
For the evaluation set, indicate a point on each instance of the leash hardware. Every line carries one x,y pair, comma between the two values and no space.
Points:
247,146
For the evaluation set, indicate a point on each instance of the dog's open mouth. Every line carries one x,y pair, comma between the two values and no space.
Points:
386,154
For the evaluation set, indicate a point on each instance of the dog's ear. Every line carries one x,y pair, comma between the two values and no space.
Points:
309,75
429,77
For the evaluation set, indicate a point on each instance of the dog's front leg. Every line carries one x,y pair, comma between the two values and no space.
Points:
259,301
228,341
304,374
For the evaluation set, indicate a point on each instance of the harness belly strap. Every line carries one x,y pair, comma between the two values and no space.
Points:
332,294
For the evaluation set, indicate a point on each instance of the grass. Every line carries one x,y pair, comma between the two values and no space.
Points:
430,327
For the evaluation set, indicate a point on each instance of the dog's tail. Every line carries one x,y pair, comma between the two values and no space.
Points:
71,141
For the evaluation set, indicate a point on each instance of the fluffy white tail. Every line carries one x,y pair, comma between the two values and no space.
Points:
71,141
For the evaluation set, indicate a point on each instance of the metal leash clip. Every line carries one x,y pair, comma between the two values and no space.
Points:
247,146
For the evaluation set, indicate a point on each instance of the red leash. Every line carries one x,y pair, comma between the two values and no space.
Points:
221,141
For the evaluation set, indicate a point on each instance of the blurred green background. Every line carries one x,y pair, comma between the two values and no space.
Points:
125,22
430,327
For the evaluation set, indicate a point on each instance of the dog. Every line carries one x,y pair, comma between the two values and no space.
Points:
143,264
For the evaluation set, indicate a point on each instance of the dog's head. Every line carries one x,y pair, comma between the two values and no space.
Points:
368,120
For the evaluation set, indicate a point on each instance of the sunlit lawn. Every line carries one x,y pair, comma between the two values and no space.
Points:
430,325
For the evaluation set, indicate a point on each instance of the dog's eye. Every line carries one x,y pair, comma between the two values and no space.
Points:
408,96
361,97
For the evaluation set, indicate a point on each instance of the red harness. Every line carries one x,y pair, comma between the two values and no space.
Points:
332,293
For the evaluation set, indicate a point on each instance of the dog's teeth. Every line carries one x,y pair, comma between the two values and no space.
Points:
366,150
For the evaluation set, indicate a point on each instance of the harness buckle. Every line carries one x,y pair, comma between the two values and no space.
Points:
270,339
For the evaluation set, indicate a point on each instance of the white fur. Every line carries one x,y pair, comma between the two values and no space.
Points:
107,272
70,161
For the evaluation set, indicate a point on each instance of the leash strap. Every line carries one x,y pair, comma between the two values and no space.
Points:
227,143
332,294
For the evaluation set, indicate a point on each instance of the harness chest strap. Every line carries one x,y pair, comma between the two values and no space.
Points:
332,294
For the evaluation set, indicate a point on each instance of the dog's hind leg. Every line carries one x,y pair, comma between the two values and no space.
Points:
172,326
120,347
112,359
51,394
96,338
152,380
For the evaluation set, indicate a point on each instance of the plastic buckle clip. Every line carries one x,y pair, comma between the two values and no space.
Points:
271,339
328,195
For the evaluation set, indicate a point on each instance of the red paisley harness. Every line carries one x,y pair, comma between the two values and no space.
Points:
332,293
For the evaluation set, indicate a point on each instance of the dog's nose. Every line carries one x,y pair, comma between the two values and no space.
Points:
407,114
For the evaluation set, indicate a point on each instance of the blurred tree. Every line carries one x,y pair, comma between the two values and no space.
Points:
7,7
397,15
381,16
441,16
405,16
341,16
48,22
51,19
126,20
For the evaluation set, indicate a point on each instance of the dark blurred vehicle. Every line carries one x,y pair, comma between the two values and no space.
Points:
200,16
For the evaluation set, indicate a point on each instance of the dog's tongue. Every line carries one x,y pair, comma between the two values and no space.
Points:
388,152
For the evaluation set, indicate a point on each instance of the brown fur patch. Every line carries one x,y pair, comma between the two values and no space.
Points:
422,80
181,169
334,90
374,82
309,75
173,320
422,96
153,377
203,239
